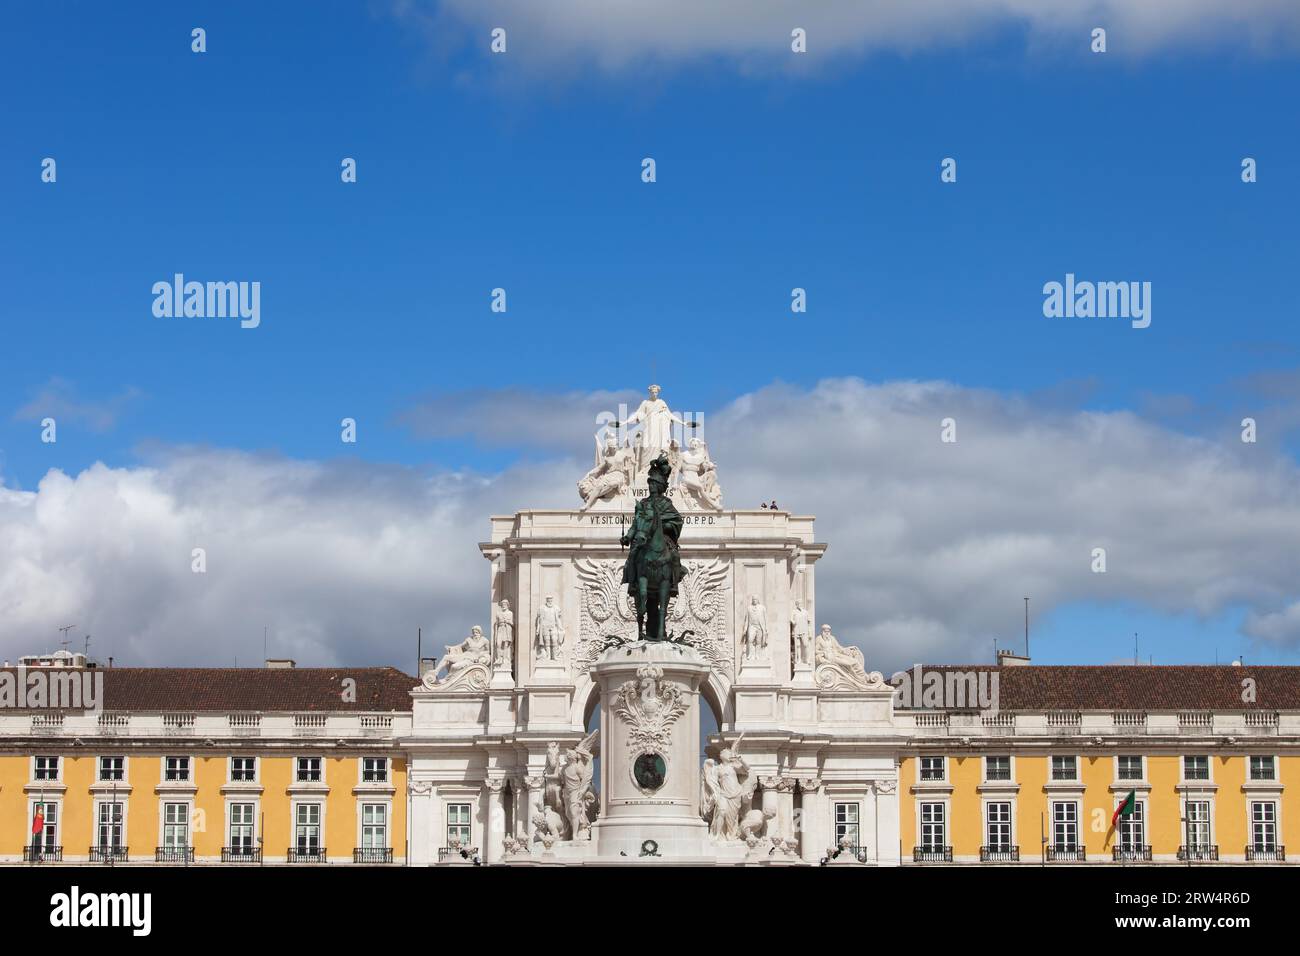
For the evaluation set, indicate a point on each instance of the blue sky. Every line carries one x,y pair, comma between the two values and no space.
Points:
478,171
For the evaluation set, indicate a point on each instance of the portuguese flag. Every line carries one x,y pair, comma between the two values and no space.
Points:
38,821
1125,809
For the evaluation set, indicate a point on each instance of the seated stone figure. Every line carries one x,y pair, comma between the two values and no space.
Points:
475,649
838,665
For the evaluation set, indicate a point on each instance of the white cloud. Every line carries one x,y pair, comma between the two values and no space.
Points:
932,545
618,35
58,399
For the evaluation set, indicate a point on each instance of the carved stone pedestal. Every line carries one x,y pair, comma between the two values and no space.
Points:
650,774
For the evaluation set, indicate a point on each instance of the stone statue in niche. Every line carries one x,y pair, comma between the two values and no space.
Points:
801,634
474,650
698,480
550,630
503,634
753,636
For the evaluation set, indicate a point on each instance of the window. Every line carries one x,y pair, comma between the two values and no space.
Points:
1130,767
177,770
458,826
933,829
176,825
47,768
846,823
998,817
243,769
308,770
307,827
112,768
110,824
374,769
1263,826
241,826
997,768
1198,824
48,838
1065,768
374,826
1196,768
932,768
1065,825
1261,768
1132,828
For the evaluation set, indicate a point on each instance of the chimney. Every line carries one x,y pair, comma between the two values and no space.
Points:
280,663
1008,658
427,664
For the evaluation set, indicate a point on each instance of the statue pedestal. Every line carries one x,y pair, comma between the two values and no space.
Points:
649,754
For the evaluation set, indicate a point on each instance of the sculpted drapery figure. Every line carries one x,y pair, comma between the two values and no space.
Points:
699,476
801,634
726,793
654,564
840,666
577,794
611,475
656,420
475,649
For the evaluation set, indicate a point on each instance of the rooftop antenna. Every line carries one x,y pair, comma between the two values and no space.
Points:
1026,627
87,647
65,630
1135,648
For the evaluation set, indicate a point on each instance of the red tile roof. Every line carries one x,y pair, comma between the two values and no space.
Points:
191,689
1162,687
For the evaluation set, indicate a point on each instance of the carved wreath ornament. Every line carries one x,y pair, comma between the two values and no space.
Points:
649,706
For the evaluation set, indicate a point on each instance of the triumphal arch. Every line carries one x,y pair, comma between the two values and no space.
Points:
553,734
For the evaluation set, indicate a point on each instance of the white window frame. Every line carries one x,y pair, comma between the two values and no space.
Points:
1125,826
386,766
841,827
104,801
320,825
1009,823
921,825
362,803
189,770
32,803
320,769
448,824
1273,768
1142,768
1187,822
99,769
58,768
1209,769
1077,843
163,804
943,768
257,769
1051,768
230,820
1275,823
1011,768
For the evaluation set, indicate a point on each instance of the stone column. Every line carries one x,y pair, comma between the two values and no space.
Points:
886,798
784,822
534,789
812,838
419,825
494,829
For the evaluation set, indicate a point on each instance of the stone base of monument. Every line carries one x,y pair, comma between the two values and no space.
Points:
650,773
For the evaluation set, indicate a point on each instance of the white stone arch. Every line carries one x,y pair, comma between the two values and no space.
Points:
716,692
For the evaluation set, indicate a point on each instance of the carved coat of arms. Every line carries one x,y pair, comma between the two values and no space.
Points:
649,706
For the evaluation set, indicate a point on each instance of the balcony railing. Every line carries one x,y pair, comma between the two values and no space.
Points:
1131,854
1066,854
372,854
1274,854
999,854
42,854
173,854
47,723
1199,854
241,854
446,853
305,854
108,854
932,854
